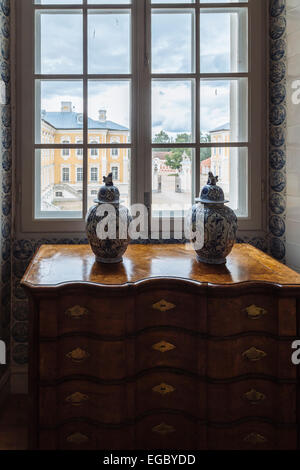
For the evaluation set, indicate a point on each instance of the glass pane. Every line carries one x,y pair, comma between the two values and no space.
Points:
109,2
109,42
172,115
173,1
105,161
172,181
62,54
224,110
58,190
230,165
172,41
223,1
109,111
58,2
59,109
223,40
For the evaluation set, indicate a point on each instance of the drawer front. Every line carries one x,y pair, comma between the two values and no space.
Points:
252,436
250,355
105,316
167,431
81,399
169,348
170,308
82,356
251,312
84,436
251,398
169,391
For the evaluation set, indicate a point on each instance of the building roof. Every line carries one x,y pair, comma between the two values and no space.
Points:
224,127
63,120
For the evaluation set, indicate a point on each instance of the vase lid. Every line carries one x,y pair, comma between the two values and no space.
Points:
108,193
212,193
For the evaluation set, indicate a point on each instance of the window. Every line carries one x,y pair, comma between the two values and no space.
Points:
94,151
66,175
79,174
79,152
94,192
94,174
177,83
58,194
115,172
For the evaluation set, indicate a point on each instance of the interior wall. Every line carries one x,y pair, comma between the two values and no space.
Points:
293,135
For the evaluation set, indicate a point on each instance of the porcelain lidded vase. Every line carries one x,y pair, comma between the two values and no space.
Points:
107,224
213,225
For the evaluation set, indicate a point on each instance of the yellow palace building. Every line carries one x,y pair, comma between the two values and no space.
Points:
62,169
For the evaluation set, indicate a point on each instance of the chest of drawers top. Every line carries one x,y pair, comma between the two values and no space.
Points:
57,265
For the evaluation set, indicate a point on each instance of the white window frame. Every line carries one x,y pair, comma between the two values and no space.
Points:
91,171
115,165
65,167
140,126
79,180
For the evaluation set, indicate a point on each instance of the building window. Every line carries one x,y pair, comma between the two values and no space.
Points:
94,192
79,174
66,175
115,172
196,85
65,152
58,194
94,152
94,174
79,152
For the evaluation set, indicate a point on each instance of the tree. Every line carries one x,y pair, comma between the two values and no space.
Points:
161,138
205,152
174,160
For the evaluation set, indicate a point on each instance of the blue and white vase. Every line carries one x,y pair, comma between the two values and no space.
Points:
107,224
214,225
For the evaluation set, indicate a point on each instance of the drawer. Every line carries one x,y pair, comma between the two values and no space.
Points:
82,435
166,307
252,435
169,391
250,355
252,312
169,348
168,431
82,356
102,315
82,399
254,398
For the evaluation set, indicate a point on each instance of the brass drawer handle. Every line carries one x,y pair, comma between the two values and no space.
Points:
77,312
163,306
253,354
254,397
254,312
255,438
78,355
163,429
163,389
77,398
77,438
163,346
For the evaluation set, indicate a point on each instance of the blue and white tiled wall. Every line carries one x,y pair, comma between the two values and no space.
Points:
19,252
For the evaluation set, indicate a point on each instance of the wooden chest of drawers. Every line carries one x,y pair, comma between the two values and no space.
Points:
162,352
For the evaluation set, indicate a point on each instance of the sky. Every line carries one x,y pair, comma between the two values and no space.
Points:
108,52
